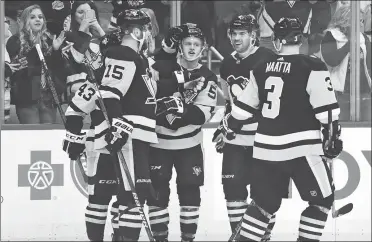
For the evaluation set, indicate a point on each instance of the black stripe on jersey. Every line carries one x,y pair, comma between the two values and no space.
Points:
184,136
289,145
326,108
75,108
111,89
90,139
246,107
246,132
102,133
143,127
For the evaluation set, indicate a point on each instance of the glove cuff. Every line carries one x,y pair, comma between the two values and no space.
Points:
76,138
122,124
168,46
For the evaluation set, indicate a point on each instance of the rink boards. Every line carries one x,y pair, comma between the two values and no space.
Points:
43,197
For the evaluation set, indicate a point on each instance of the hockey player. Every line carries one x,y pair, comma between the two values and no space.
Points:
294,95
237,153
186,98
128,95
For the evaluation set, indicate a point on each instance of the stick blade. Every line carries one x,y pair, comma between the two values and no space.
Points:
343,210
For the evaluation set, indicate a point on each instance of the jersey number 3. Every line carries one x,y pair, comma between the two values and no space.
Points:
275,86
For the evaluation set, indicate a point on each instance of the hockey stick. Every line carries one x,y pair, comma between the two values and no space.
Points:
348,207
57,102
121,158
237,231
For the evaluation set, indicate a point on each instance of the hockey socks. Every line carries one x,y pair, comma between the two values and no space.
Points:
312,223
130,223
159,220
235,210
95,220
189,218
254,224
115,220
269,229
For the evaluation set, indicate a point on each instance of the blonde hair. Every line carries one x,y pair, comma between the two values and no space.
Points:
341,19
27,38
154,22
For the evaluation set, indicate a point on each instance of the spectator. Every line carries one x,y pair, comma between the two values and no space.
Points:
9,68
153,38
335,50
29,91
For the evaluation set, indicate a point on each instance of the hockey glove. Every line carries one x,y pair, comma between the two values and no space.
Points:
228,121
118,134
174,37
170,105
332,144
218,138
74,144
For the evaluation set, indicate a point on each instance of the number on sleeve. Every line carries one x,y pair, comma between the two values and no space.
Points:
275,87
85,92
117,72
212,91
329,84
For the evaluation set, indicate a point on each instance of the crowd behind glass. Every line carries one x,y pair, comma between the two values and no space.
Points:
29,101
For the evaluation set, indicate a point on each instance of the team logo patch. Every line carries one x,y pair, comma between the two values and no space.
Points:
237,84
291,3
197,170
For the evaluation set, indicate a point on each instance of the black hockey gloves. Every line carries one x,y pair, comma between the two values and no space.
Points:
174,37
332,144
118,134
74,144
170,105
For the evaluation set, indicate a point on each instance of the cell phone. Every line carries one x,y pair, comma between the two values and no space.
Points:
90,14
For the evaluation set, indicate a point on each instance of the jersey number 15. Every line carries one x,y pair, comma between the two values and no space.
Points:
275,86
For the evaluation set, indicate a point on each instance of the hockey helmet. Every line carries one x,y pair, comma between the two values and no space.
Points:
133,17
288,30
192,30
244,22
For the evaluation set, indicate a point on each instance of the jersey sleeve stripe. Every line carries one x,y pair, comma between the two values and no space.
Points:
110,92
76,108
323,117
241,111
289,145
76,77
325,108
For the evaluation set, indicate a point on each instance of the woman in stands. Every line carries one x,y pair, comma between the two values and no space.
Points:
29,91
81,44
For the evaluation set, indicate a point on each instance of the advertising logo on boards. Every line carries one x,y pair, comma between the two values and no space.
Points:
77,178
40,175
